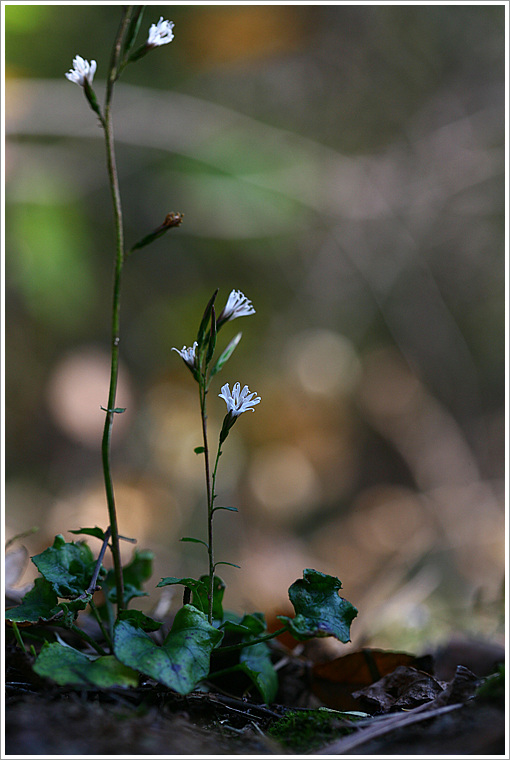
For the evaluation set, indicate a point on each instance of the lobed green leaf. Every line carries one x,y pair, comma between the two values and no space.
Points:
38,605
66,665
320,611
183,659
67,566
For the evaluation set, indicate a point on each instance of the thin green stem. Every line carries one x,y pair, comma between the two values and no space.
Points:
17,636
97,616
244,644
115,339
80,632
210,499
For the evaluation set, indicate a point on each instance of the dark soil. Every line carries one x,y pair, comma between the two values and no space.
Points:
44,719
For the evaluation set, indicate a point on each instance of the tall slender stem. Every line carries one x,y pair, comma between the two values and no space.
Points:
210,499
115,338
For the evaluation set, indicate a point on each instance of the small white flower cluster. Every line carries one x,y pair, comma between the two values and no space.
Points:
188,354
238,401
82,72
160,33
237,306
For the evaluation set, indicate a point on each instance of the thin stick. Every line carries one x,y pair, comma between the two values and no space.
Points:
348,743
95,574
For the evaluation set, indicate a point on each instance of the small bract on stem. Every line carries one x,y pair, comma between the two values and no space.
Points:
198,358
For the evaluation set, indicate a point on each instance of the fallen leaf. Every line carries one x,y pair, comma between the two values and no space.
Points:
335,681
404,689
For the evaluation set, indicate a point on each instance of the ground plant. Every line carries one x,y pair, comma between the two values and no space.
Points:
206,641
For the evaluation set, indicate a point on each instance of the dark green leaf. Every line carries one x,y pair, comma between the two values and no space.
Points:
251,625
226,354
228,509
66,665
202,330
70,609
212,338
140,620
255,661
231,564
67,566
132,30
183,659
320,611
199,450
201,594
96,532
191,583
38,605
191,540
135,574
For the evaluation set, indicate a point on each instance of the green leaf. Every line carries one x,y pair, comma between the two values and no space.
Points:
320,611
67,566
202,330
228,509
135,574
200,596
191,540
140,620
96,532
132,31
66,665
226,354
71,609
253,624
191,583
213,334
38,605
255,661
231,564
183,659
199,450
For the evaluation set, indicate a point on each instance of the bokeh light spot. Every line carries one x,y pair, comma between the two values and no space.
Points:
76,390
325,362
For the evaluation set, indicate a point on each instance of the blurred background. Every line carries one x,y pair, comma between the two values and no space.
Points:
341,165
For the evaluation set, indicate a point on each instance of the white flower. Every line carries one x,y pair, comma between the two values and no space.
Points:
237,306
238,401
160,33
188,354
83,71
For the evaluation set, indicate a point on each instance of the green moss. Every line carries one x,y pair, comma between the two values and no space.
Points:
305,730
493,688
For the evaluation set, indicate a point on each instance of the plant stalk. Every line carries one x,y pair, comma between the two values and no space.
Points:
243,644
115,338
210,499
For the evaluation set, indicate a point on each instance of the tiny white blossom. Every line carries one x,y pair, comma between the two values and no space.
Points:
188,354
237,306
238,401
160,33
83,71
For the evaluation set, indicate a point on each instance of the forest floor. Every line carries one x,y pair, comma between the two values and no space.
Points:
364,703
